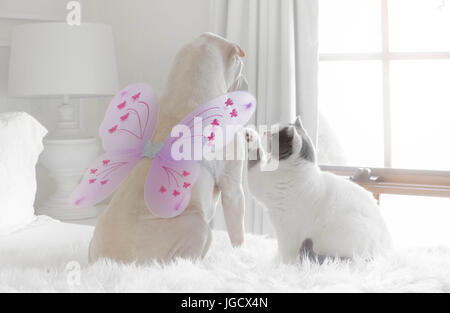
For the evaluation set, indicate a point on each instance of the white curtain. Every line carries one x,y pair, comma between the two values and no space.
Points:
280,42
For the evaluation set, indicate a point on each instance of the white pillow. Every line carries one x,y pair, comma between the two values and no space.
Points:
20,145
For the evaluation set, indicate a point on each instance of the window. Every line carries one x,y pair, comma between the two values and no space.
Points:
384,99
384,91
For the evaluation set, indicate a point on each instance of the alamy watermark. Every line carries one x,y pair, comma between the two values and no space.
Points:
73,273
217,143
73,17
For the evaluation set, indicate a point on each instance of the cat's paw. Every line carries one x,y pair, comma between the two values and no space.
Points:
251,136
255,150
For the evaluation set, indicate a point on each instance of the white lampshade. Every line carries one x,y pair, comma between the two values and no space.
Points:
55,59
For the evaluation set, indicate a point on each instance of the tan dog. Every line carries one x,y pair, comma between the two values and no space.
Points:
127,232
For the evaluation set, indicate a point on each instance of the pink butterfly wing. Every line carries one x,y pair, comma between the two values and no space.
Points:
129,123
169,181
168,186
130,119
102,178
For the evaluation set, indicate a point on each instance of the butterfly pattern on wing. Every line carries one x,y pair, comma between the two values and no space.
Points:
129,123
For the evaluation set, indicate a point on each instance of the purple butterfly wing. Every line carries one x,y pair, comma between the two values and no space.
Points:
129,123
168,184
102,178
130,119
170,179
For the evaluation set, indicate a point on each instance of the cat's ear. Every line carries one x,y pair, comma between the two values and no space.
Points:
296,139
287,143
307,151
287,135
299,127
298,124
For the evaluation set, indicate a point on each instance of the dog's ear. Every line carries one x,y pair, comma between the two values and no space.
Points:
236,48
239,51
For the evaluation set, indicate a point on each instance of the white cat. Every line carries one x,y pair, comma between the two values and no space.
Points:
305,204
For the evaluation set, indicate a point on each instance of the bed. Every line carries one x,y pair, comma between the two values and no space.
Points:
40,254
51,256
45,242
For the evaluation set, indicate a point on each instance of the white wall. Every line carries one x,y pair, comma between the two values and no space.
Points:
148,34
16,12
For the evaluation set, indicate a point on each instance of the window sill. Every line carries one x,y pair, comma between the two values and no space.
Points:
399,181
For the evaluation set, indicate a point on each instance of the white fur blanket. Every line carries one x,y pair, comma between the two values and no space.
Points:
251,268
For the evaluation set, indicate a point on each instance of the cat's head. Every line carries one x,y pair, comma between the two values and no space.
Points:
291,144
294,144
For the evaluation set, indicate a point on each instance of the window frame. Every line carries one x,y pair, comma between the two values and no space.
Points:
388,180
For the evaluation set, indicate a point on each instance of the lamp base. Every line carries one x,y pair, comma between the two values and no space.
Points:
67,126
66,161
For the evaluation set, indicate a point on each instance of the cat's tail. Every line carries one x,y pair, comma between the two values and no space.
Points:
307,253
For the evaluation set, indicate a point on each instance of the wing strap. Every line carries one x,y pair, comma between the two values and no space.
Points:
151,149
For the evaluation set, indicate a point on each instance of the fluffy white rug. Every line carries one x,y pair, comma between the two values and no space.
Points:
251,268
